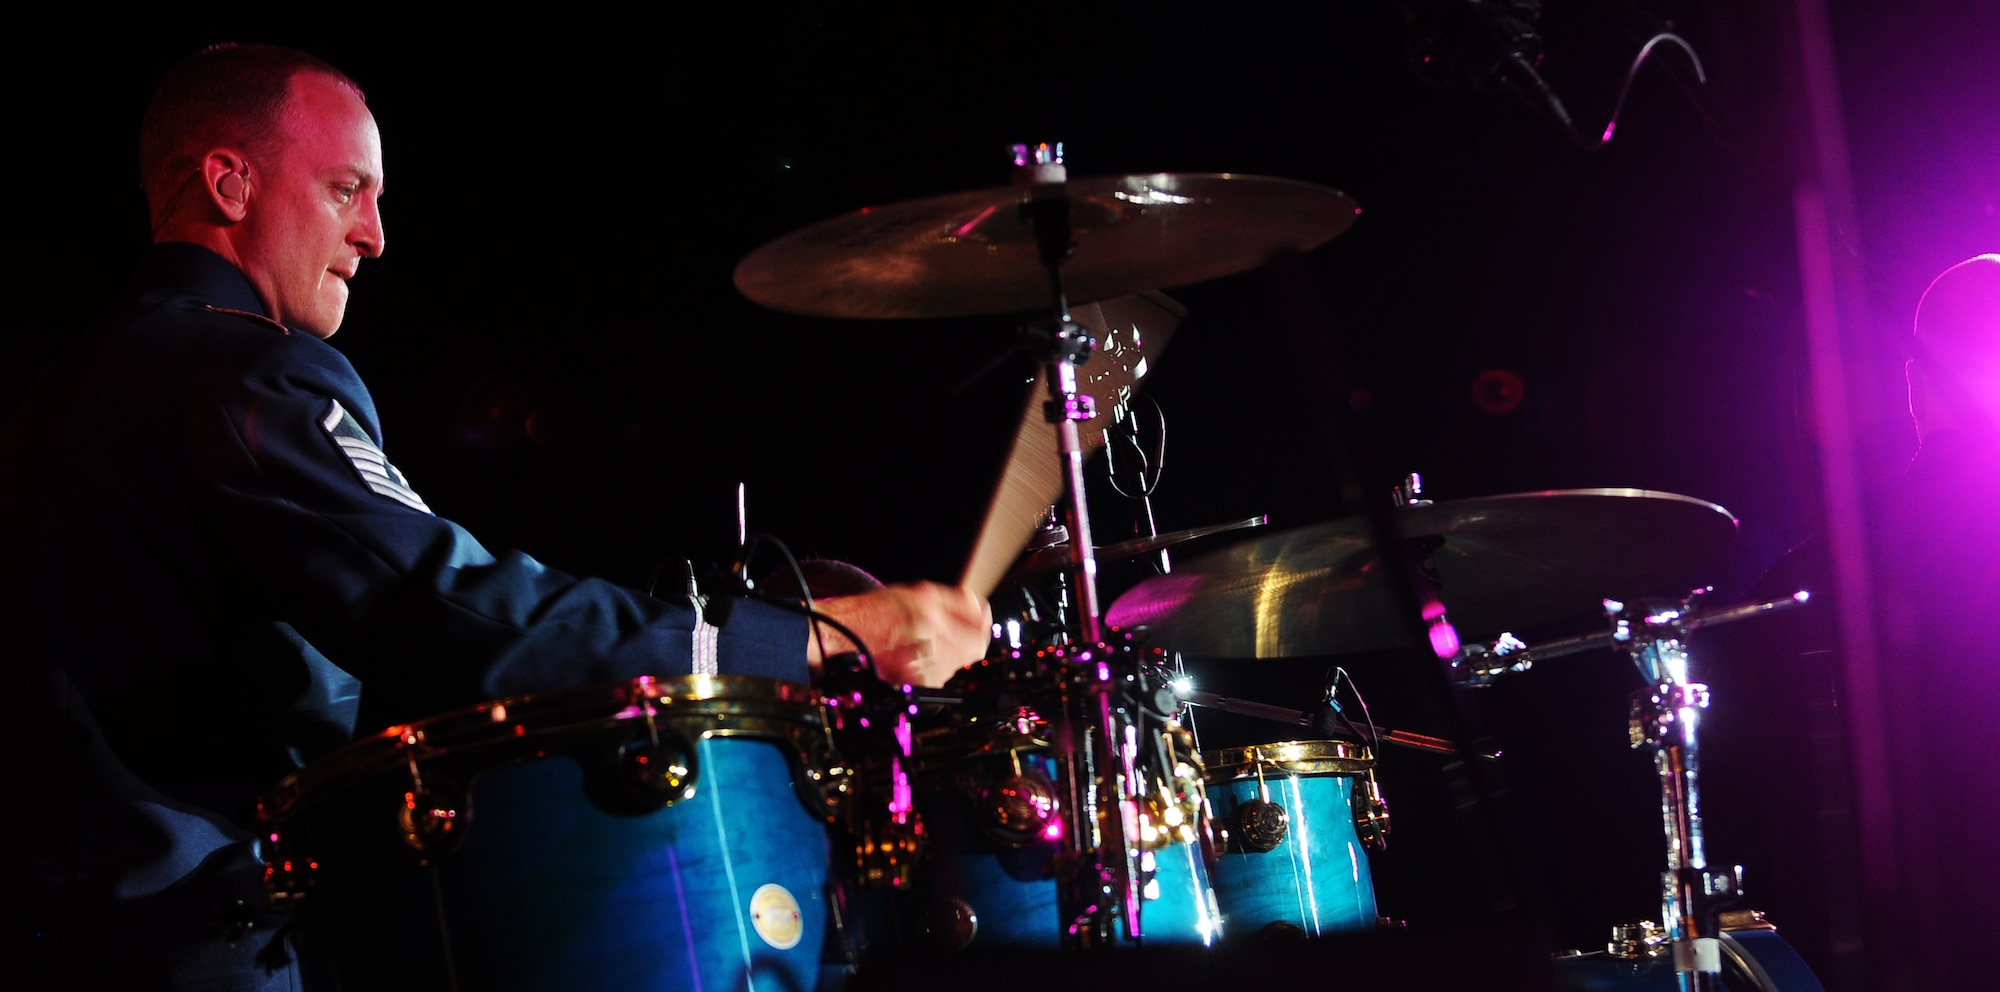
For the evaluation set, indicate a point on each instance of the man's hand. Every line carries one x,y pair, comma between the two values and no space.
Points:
920,633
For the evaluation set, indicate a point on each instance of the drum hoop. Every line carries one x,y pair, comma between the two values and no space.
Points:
697,706
1288,758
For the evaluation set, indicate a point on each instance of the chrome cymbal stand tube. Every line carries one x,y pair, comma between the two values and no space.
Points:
1100,882
1666,716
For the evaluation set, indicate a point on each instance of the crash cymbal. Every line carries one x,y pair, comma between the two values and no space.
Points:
1502,562
1131,332
975,252
1054,559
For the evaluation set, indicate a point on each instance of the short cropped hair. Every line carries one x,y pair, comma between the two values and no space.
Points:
222,95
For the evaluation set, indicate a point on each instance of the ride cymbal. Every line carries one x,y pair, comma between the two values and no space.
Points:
1501,562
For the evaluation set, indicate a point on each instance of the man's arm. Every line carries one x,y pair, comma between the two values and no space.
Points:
305,515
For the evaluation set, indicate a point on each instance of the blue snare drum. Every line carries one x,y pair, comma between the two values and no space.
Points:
989,802
658,834
1753,960
1294,858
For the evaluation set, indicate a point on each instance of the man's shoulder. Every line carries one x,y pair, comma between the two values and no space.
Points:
209,333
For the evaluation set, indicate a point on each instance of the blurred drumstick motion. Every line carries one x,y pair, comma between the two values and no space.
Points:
1130,331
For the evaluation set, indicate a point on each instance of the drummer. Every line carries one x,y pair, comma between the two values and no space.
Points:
1933,585
1936,581
218,573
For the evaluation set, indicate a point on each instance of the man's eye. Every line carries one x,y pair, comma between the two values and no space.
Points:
345,193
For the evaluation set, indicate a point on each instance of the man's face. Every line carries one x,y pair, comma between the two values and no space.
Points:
312,214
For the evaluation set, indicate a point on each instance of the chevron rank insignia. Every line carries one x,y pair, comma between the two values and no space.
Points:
368,460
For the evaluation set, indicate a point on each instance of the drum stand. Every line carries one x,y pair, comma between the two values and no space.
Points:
1099,877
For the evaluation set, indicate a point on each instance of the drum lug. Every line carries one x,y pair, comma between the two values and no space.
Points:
1261,825
1371,814
1017,809
664,769
825,782
649,771
432,821
951,924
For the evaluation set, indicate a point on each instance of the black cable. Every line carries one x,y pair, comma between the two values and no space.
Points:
1159,445
1156,464
653,579
814,618
1374,735
1554,105
1496,45
1632,73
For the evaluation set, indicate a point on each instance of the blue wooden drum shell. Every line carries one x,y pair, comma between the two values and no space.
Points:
1316,878
1010,891
556,870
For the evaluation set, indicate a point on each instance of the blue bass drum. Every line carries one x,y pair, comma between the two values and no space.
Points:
657,834
1295,861
989,799
1753,960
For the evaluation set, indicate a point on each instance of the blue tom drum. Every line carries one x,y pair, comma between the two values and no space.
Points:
1294,861
657,834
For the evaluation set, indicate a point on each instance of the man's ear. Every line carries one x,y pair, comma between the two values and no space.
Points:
225,180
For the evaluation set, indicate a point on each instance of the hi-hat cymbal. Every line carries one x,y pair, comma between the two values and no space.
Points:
1501,561
975,252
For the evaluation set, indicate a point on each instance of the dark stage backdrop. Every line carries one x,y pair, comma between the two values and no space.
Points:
563,365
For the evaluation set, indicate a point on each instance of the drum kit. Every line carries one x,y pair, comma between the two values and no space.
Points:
710,832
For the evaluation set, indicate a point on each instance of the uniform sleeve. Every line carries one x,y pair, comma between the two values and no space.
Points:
305,511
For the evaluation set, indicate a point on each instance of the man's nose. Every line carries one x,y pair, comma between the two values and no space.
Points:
368,229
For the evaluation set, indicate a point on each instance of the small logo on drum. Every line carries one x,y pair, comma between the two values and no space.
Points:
775,915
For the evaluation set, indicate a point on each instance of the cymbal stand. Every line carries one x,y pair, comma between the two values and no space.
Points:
1100,881
1667,716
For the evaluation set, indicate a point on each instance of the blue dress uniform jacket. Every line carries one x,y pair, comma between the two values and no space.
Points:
209,557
